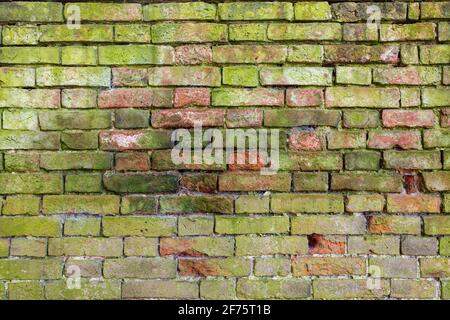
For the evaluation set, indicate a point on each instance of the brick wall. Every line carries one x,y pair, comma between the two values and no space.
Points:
358,209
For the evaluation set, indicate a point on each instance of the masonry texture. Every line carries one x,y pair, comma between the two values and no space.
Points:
360,207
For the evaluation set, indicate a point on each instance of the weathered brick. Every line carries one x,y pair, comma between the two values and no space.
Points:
296,118
139,246
20,120
362,160
378,182
36,269
132,161
432,97
135,54
389,139
349,53
243,76
415,289
76,160
139,183
74,246
101,204
256,11
436,267
79,140
389,245
304,31
91,268
20,35
193,54
360,32
182,76
328,266
249,54
179,11
134,140
30,183
434,10
436,138
247,32
198,246
348,289
360,119
412,160
247,97
419,246
85,33
245,225
75,119
272,267
394,225
79,226
78,55
309,181
437,54
139,226
90,290
166,289
354,75
34,98
407,75
321,224
296,76
21,205
228,267
31,12
79,98
217,289
195,225
408,32
26,290
189,32
247,181
138,204
106,11
73,76
307,203
436,225
187,118
395,267
364,203
196,204
348,139
273,289
437,181
136,33
413,203
17,77
135,98
355,11
362,97
311,161
25,247
199,182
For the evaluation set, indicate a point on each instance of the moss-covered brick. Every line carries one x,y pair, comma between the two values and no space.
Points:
183,76
444,246
267,245
273,289
135,54
326,224
79,55
256,11
305,53
247,97
311,161
346,139
20,35
36,269
356,181
435,10
141,268
362,160
166,289
140,246
365,203
30,226
307,203
102,204
21,11
349,53
435,54
198,246
245,76
437,180
195,225
32,98
189,32
180,11
85,33
412,160
83,182
388,139
200,182
82,226
140,183
416,289
408,32
73,76
79,140
79,119
407,75
105,11
138,204
360,32
130,77
139,226
26,247
75,246
439,138
91,268
389,245
135,98
21,205
304,31
233,266
135,140
436,267
353,75
309,181
249,54
79,98
295,118
17,77
217,289
252,204
248,181
314,76
409,54
444,31
76,160
30,183
246,225
247,32
312,11
4,248
196,204
437,225
131,118
438,97
20,120
90,290
349,289
410,97
328,266
26,290
362,97
29,55
136,33
361,118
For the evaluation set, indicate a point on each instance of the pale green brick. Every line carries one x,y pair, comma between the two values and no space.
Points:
11,140
20,35
245,225
82,226
432,97
105,11
102,204
353,75
73,76
61,120
305,53
26,290
244,76
20,120
30,183
78,55
252,204
22,11
17,77
304,31
189,32
22,162
79,98
29,55
136,54
29,98
195,225
28,247
137,33
248,32
18,205
83,183
4,247
83,246
30,226
312,11
256,11
85,33
139,226
180,11
90,290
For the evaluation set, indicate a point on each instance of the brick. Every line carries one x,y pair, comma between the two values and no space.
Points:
245,225
389,139
187,118
85,33
140,183
189,32
14,139
408,32
21,205
76,160
437,10
350,53
80,119
196,247
445,289
132,77
79,98
437,181
247,32
296,118
30,183
22,162
90,290
195,225
132,161
21,120
138,204
252,204
196,204
31,12
410,97
415,289
139,226
29,55
394,225
34,98
362,160
348,289
443,31
233,266
419,246
36,269
217,289
354,75
130,118
435,97
444,246
307,203
273,289
312,11
378,182
311,161
26,290
79,55
184,97
395,267
102,204
304,97
407,75
135,98
436,267
437,54
247,97
136,33
20,35
25,247
139,246
353,11
75,246
268,245
106,11
182,76
245,76
202,182
254,182
360,32
322,224
328,266
17,77
306,53
306,140
256,11
389,245
349,139
414,11
82,226
413,203
314,76
362,97
365,202
249,54
436,225
272,267
73,76
436,138
134,140
168,289
412,159
360,119
135,54
193,54
304,31
4,247
79,140
409,55
309,181
179,11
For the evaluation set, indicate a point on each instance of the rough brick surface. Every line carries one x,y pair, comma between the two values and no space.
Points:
89,117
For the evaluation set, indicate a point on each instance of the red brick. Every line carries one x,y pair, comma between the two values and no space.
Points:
324,244
246,157
184,97
402,203
305,140
130,77
135,98
408,118
187,118
304,97
193,54
244,118
136,161
392,139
